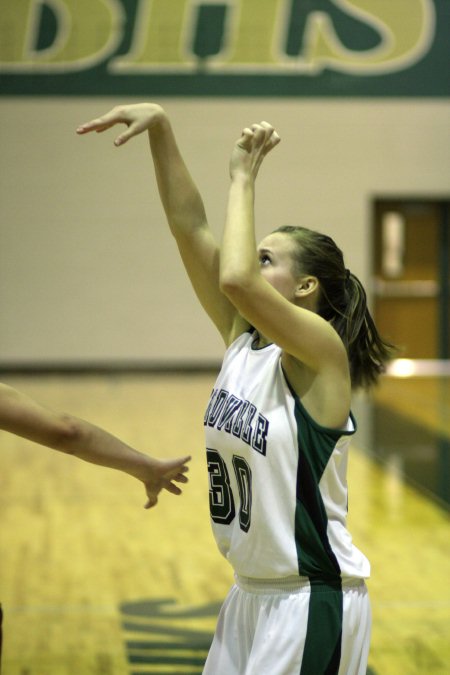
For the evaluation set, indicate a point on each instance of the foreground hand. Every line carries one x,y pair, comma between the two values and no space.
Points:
162,475
251,148
138,117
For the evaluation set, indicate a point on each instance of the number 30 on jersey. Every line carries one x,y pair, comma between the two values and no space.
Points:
221,499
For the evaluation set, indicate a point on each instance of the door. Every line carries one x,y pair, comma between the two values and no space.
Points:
411,276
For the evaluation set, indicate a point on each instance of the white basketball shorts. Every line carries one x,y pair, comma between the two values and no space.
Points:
292,627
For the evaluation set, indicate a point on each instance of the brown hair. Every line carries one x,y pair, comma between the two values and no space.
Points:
342,302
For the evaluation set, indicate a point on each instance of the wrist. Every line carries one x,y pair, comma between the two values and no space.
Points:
140,466
159,119
242,178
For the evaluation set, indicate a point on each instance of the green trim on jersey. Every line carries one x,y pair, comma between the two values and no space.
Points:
316,444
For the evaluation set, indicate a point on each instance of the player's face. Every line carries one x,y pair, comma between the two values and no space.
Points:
276,260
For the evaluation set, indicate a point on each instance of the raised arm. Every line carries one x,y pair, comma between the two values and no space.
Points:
182,204
267,291
24,417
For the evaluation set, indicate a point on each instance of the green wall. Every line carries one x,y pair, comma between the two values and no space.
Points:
333,48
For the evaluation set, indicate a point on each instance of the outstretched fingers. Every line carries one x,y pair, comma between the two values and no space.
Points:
164,476
177,468
132,130
102,123
136,117
176,474
152,495
172,488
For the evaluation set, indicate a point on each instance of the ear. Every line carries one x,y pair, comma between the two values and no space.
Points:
306,286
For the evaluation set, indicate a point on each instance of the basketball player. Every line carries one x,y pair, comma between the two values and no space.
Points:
24,417
298,337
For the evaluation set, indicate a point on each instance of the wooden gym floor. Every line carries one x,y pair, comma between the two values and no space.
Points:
92,584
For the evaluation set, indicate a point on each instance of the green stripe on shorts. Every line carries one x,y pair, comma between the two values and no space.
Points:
322,652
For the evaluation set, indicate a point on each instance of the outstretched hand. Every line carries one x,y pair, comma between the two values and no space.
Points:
251,148
162,475
138,117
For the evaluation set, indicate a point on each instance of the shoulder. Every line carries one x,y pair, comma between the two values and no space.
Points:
325,394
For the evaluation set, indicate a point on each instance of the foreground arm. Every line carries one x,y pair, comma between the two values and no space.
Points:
22,416
300,332
182,204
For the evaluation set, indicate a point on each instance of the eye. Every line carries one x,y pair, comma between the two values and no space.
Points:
264,259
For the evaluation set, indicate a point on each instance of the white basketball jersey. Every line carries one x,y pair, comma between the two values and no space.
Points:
278,490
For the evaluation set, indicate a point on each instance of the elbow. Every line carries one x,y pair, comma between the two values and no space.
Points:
67,434
235,285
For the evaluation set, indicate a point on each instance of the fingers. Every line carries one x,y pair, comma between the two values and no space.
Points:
171,478
93,125
168,481
185,460
179,478
172,488
101,123
171,472
152,497
176,468
126,135
246,139
266,135
272,137
260,136
151,501
115,116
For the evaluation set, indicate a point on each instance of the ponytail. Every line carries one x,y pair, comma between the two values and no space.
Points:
368,353
342,302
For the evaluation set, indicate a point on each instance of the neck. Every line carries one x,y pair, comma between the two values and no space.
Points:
260,341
